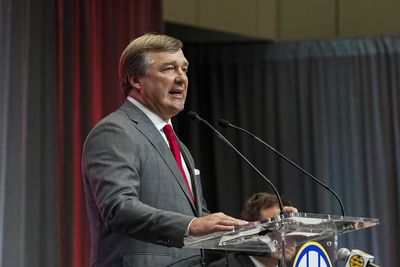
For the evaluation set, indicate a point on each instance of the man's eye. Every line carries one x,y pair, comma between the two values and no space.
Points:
169,68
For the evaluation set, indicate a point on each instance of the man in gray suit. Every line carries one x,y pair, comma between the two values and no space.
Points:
143,193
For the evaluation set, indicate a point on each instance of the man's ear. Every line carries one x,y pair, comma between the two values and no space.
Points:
134,81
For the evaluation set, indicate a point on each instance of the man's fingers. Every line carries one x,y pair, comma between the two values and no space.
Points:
227,218
214,223
289,209
231,222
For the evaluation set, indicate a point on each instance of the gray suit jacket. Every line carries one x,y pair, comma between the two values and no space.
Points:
137,201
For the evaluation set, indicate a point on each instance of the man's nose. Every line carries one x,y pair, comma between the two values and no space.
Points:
180,77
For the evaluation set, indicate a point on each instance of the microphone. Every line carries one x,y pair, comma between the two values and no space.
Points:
355,258
194,116
227,124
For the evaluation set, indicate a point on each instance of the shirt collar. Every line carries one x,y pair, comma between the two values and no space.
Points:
155,119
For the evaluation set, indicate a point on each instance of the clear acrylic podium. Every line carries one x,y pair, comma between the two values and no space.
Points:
284,237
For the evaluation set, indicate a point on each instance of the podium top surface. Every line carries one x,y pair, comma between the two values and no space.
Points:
271,234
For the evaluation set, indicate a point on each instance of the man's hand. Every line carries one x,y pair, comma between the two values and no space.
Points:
289,209
213,223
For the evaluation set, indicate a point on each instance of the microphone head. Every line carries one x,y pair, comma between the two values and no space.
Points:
193,115
342,254
224,123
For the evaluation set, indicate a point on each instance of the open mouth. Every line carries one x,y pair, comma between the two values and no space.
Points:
176,92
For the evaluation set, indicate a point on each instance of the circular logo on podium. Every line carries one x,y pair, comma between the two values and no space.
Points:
312,254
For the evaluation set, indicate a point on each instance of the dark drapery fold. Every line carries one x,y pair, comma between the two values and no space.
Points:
332,106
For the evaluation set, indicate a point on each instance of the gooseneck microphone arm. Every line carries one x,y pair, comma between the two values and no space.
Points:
227,124
194,116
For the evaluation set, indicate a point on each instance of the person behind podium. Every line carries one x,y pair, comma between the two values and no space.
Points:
143,193
259,206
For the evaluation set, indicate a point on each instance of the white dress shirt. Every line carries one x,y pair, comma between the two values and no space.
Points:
160,123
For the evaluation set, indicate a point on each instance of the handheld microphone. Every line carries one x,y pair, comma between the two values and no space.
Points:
227,124
194,116
355,258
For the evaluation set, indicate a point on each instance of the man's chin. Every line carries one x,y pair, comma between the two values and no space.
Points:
174,111
178,108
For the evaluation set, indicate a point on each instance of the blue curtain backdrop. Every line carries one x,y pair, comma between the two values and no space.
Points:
332,106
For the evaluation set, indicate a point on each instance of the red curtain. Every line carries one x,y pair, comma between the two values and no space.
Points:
90,38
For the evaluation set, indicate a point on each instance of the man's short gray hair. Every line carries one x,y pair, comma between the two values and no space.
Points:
136,58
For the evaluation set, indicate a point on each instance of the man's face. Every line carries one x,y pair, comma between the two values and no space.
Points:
164,87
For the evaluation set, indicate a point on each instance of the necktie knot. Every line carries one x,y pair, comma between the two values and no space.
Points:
169,132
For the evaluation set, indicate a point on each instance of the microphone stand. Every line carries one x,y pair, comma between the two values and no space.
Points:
194,116
226,124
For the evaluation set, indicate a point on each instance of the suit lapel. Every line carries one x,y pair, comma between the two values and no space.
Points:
147,128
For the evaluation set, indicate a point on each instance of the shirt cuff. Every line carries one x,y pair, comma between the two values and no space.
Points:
187,229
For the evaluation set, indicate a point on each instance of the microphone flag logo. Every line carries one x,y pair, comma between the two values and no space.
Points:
356,261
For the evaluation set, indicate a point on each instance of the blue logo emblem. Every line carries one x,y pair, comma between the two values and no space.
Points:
312,254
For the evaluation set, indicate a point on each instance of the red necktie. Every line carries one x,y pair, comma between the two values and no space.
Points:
174,146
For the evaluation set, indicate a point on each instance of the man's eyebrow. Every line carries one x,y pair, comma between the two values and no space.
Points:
186,63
